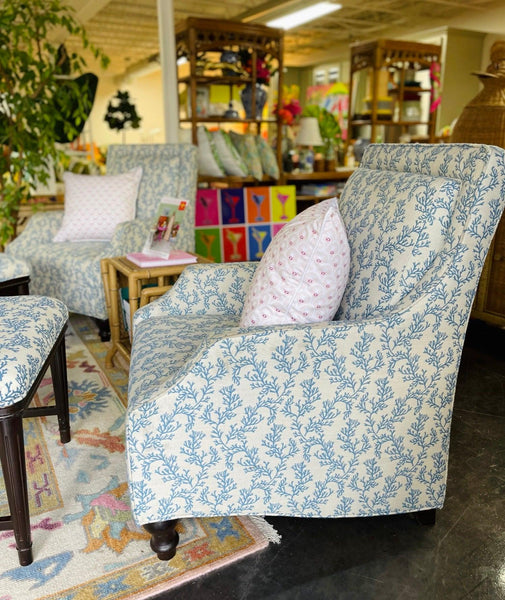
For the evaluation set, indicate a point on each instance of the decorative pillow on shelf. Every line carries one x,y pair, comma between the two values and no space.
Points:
209,162
268,158
302,276
229,156
248,150
96,204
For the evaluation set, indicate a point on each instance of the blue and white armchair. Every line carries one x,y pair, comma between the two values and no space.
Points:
70,271
346,418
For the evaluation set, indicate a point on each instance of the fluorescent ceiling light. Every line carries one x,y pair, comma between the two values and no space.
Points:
304,15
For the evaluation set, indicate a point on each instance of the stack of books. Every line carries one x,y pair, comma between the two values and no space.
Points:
177,257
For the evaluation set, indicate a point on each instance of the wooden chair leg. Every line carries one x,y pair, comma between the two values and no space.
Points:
103,329
12,457
427,517
60,386
164,538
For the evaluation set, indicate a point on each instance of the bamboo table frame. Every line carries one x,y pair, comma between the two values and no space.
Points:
120,272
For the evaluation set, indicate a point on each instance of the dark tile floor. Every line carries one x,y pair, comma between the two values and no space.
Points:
462,556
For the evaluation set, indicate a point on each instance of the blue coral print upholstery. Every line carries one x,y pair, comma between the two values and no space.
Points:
71,271
29,329
350,417
12,268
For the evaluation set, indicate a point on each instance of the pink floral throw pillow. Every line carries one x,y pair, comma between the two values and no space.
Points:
302,275
96,204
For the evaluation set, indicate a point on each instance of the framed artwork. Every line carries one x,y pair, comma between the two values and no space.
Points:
237,224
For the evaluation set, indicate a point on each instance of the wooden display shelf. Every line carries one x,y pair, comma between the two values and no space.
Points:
202,41
219,119
216,79
380,58
337,175
228,180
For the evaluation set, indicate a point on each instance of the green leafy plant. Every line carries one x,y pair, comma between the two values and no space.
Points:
329,127
40,101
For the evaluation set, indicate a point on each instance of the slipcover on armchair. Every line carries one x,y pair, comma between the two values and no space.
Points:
345,418
70,271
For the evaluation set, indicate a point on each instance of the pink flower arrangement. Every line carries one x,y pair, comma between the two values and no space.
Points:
290,105
264,69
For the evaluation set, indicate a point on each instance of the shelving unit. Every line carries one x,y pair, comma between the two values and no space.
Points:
388,62
299,179
202,42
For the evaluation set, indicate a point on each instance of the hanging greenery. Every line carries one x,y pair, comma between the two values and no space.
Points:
121,112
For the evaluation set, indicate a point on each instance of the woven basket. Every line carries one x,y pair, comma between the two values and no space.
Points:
483,118
483,122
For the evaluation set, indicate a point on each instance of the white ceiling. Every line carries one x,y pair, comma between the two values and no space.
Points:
127,30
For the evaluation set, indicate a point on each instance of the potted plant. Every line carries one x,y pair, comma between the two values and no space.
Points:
122,113
40,101
330,130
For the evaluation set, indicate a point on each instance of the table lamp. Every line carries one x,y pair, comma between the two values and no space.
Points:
308,137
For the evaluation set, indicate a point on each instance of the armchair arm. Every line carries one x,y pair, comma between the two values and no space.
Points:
210,289
130,236
40,229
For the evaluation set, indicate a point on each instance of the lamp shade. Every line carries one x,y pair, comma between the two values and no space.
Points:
309,134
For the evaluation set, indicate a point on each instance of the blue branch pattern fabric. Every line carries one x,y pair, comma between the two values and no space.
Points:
12,268
29,328
70,271
349,417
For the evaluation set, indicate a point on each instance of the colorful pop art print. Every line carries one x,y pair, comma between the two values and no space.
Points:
283,202
258,204
208,243
234,242
238,224
232,206
207,208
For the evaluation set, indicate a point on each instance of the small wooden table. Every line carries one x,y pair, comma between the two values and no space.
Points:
120,272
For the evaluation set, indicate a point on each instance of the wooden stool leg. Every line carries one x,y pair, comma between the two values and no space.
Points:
60,385
12,457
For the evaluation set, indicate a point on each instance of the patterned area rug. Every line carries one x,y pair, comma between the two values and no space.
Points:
85,543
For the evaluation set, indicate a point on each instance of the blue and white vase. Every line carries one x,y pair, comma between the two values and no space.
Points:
246,97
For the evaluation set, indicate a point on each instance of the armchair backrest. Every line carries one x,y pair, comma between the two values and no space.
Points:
420,218
168,170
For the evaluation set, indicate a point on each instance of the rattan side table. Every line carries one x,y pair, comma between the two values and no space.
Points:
118,272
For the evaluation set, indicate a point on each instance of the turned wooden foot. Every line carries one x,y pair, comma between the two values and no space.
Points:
426,517
103,329
164,538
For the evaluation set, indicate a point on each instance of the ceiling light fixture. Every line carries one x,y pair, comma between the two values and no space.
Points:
304,15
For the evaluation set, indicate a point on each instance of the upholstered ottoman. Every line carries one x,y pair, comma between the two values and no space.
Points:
32,338
14,276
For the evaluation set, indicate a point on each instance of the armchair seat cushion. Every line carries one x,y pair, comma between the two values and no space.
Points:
70,272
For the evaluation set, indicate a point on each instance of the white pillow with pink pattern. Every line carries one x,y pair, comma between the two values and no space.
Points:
96,204
302,276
